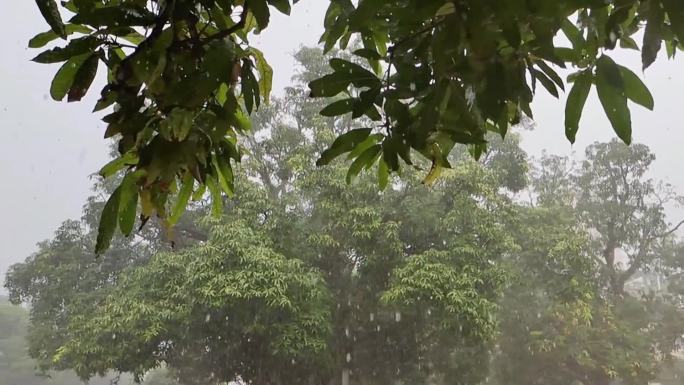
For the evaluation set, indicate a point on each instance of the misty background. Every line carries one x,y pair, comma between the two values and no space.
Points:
49,150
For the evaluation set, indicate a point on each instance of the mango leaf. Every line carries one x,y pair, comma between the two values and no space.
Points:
330,85
383,175
339,107
114,16
225,174
74,48
343,144
281,5
111,168
83,78
365,160
261,12
108,221
41,39
265,72
551,74
64,77
675,12
611,92
182,198
128,202
575,103
216,198
653,34
546,82
366,53
50,12
635,89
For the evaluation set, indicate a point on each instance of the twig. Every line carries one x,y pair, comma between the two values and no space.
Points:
227,32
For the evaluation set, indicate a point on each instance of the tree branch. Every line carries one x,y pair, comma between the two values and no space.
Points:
227,32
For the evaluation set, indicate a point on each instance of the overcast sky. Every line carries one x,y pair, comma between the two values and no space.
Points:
48,149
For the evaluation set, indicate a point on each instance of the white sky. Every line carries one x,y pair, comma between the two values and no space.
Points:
49,149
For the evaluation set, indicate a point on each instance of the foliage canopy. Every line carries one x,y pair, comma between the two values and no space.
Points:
428,74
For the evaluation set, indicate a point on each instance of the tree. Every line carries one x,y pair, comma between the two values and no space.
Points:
183,77
573,312
300,280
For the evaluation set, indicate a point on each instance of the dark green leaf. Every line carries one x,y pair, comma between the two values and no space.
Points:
74,48
50,12
574,106
611,93
64,78
108,221
551,74
329,85
41,39
343,144
84,78
368,54
261,12
546,82
115,16
365,160
339,107
635,89
281,5
653,34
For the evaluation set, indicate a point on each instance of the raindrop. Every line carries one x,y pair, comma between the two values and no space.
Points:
348,357
372,317
207,318
397,316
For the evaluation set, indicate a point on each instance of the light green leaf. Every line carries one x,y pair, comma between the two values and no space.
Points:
265,73
216,197
182,198
383,175
225,174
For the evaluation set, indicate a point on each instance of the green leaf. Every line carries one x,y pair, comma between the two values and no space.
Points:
628,43
83,78
115,16
108,221
653,34
74,48
329,85
216,198
551,74
281,5
64,77
675,13
50,12
343,144
573,34
369,54
610,88
111,168
261,12
546,82
41,39
575,103
265,72
383,175
182,198
339,107
225,174
635,89
365,160
128,205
